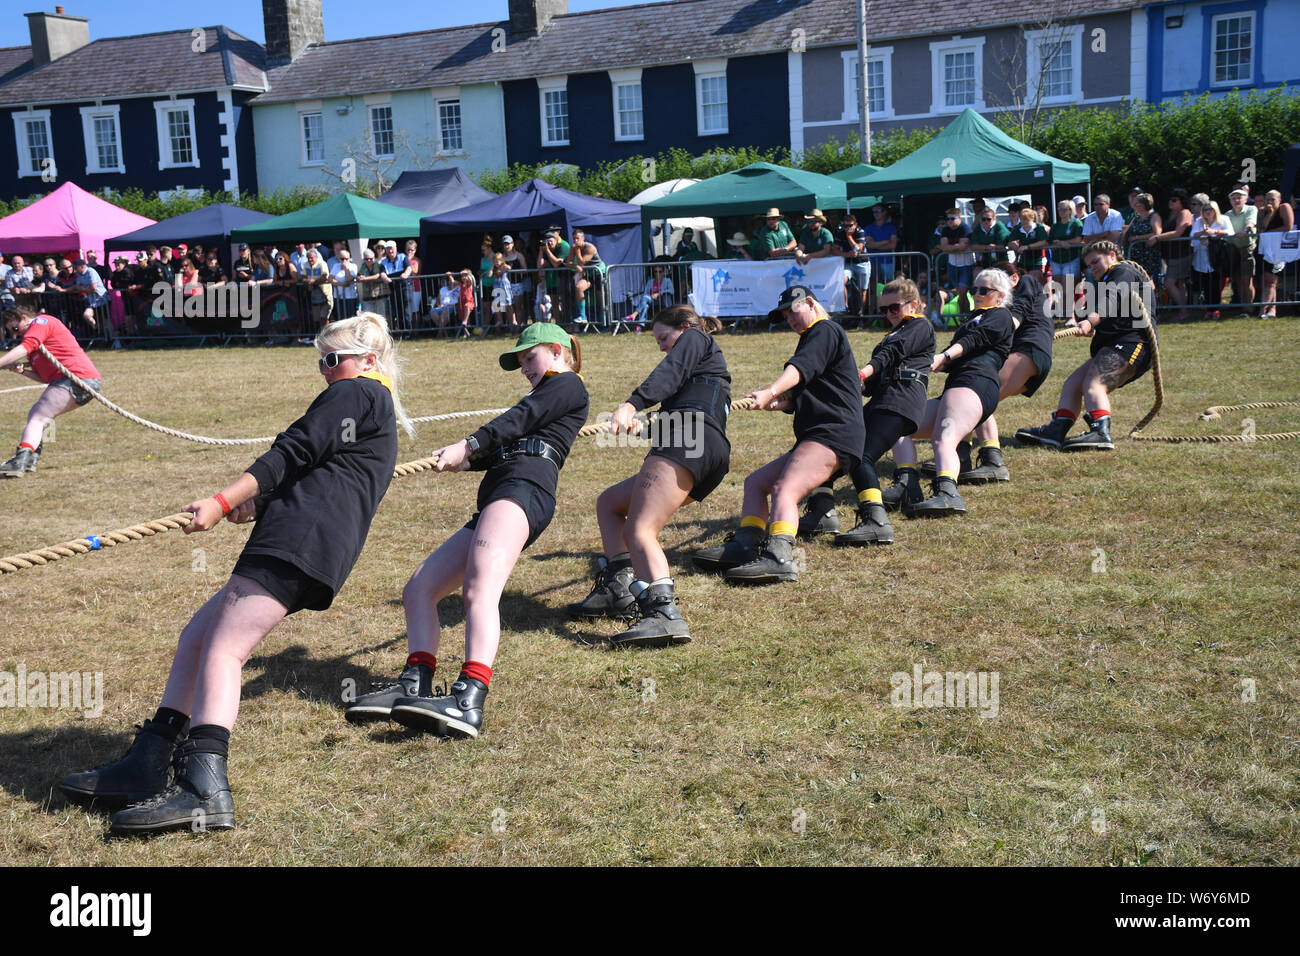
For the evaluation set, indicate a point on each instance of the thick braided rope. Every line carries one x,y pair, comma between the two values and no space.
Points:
476,413
1157,376
20,388
68,549
202,439
595,428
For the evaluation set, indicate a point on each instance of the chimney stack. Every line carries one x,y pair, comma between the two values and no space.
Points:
290,26
528,18
56,34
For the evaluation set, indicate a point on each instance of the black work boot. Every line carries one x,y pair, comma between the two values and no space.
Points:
820,516
873,527
415,681
459,714
1097,438
23,461
905,490
142,772
199,799
991,468
660,624
611,596
1050,435
943,501
742,547
773,565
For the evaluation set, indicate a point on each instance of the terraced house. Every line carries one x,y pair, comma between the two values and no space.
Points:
154,112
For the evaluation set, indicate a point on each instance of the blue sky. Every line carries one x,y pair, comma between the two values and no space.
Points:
343,18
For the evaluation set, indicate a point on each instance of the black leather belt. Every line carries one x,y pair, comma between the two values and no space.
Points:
909,375
530,447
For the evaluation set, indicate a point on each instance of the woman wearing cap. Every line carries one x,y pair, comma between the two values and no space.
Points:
687,244
522,451
970,395
689,457
823,388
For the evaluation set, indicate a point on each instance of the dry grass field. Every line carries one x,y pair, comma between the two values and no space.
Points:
1140,610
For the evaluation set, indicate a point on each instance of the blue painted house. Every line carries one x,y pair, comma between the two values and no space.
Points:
1215,47
154,112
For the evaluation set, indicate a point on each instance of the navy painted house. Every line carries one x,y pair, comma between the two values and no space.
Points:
158,111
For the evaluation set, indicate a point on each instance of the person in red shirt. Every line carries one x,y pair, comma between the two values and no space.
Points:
35,329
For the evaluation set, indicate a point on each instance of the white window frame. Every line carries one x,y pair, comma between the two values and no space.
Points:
706,70
955,45
884,54
1033,64
554,84
165,159
20,140
617,80
438,103
1254,46
370,129
305,110
88,116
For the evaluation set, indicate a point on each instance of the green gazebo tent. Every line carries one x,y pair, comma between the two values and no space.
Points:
344,217
970,157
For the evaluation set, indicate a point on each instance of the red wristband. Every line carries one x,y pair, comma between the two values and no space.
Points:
221,500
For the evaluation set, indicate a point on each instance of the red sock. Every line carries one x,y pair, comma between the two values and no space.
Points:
1066,413
1099,413
28,445
480,672
423,657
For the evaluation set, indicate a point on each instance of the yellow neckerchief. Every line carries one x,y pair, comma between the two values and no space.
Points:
379,377
902,322
560,371
822,316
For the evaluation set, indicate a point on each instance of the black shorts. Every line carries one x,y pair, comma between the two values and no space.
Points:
286,582
1122,363
1042,361
537,502
986,389
708,461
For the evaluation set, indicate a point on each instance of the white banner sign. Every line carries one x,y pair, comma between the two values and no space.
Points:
1277,247
742,287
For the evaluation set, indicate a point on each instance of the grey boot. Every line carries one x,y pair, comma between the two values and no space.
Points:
943,502
873,527
1097,438
23,461
611,595
905,490
775,564
660,625
742,547
820,517
198,800
1050,435
991,468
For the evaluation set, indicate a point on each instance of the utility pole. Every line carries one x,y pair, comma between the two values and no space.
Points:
864,117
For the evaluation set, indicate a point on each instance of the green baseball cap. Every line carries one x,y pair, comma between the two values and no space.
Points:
539,333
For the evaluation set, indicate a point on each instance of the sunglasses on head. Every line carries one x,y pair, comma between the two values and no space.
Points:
982,290
331,359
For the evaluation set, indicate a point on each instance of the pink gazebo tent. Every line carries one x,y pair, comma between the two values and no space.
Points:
68,218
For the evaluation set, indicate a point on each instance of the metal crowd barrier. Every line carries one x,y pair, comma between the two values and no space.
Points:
1209,286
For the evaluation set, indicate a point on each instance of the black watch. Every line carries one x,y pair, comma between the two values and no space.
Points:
472,442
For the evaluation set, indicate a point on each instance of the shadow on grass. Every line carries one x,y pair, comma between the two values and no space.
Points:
32,762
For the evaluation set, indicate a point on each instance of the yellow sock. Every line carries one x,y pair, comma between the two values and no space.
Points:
991,443
783,527
946,474
753,521
910,467
872,495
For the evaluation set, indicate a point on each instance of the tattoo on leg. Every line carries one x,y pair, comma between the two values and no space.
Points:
1111,369
482,543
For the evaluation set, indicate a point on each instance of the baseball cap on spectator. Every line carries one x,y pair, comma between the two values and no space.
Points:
507,240
243,247
1239,192
78,262
390,244
796,293
181,245
1078,199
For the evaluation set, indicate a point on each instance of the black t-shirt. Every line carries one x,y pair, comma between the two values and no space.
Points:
909,346
123,278
323,480
859,236
1029,305
828,398
553,412
1117,297
695,354
986,342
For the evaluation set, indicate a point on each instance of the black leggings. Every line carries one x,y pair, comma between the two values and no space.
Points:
884,428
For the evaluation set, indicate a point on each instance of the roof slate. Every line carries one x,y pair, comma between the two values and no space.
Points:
130,66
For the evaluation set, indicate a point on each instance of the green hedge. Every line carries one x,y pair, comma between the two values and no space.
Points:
275,203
